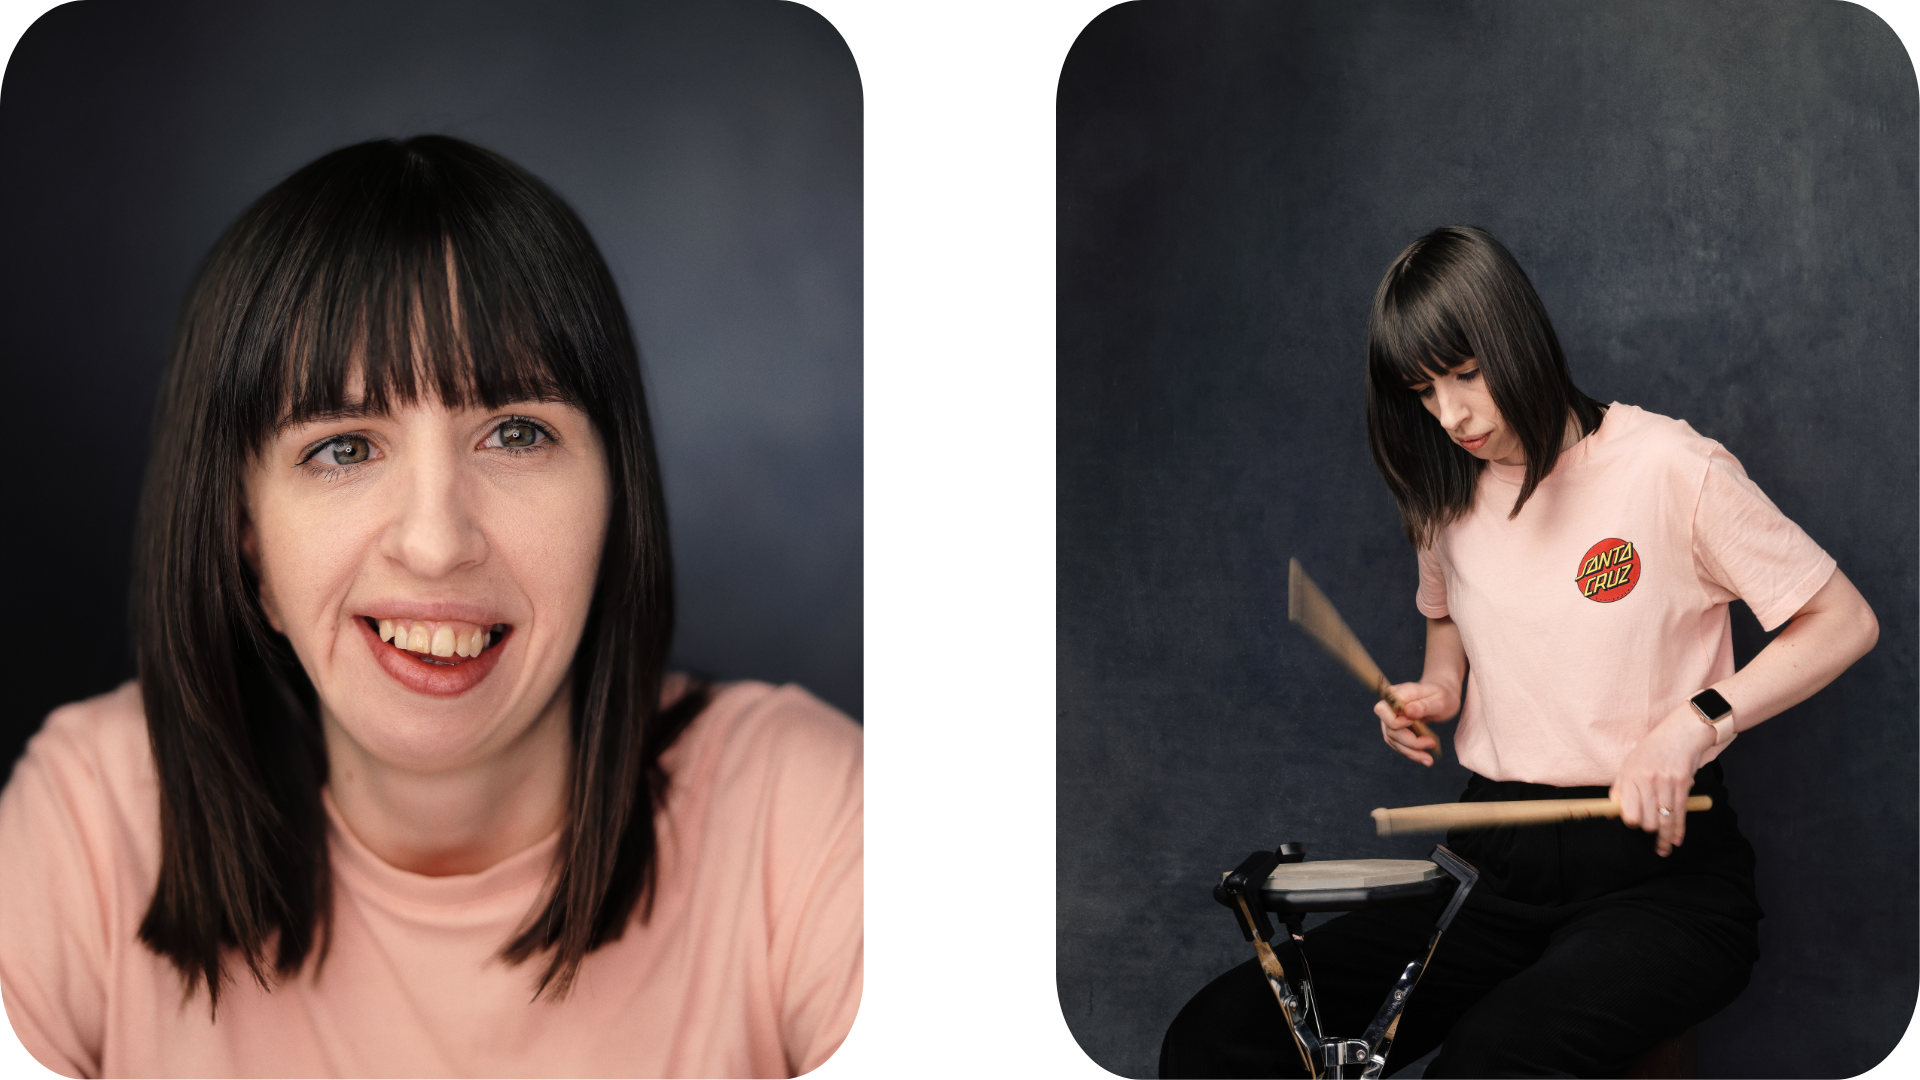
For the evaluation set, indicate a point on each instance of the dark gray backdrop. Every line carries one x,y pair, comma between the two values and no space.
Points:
713,150
1717,204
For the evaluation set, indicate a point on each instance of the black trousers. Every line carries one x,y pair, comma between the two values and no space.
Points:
1579,949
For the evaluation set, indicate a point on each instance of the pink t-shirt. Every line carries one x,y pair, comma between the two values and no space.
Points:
1602,607
750,964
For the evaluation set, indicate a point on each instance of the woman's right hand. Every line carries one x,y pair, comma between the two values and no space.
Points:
1429,703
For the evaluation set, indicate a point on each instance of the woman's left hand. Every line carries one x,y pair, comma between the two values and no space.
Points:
1659,773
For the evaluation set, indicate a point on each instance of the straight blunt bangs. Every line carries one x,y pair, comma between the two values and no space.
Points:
404,267
1452,295
382,275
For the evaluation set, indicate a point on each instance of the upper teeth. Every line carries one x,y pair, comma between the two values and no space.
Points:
436,638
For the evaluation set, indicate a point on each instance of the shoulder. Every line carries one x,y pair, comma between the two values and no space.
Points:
757,716
95,749
87,784
82,811
781,735
1635,430
1660,449
768,781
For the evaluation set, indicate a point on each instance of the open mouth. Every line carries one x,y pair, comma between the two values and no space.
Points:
447,643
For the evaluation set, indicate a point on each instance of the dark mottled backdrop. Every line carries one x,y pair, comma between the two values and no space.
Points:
713,149
1716,202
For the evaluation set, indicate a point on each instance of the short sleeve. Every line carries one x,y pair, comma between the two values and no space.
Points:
52,938
824,984
816,848
1747,548
1431,597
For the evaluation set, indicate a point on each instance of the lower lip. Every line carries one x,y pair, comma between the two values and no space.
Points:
439,680
1475,444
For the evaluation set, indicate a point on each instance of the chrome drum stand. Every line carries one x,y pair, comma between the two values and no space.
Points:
1254,890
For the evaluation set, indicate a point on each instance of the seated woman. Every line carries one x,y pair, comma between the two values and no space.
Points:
403,788
1551,530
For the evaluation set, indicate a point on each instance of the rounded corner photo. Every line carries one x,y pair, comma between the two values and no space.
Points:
449,444
1486,520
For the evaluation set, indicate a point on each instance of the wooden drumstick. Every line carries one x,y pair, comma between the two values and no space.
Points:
1310,609
1479,815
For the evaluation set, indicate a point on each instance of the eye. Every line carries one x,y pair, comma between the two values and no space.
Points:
518,433
1468,376
1424,392
339,451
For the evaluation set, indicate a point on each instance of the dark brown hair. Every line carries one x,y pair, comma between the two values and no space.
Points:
1456,294
433,268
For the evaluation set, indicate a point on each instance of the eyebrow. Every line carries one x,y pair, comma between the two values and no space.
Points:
358,410
1454,370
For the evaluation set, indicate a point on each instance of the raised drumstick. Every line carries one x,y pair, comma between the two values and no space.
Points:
1479,815
1310,609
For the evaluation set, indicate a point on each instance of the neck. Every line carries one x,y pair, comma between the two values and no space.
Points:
460,820
1570,435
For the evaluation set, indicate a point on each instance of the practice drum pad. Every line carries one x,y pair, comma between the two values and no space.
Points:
1348,884
1350,873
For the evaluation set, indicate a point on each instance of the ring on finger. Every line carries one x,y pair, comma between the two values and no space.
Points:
1664,812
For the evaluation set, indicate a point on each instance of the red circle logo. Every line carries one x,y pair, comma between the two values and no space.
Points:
1608,571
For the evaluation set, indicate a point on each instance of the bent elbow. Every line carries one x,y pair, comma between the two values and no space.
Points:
1869,630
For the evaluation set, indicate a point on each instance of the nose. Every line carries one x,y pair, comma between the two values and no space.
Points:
1449,407
435,531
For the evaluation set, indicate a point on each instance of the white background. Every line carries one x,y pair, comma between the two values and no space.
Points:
960,535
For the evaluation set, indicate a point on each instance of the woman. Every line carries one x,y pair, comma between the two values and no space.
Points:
402,788
1577,559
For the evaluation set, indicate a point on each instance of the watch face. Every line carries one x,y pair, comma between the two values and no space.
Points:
1711,704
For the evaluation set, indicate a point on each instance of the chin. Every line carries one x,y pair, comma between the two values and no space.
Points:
414,731
424,740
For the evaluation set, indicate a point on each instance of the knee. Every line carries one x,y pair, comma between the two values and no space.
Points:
1185,1049
1484,1045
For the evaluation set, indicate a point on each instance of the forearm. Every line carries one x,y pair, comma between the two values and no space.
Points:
1435,698
1446,663
1834,628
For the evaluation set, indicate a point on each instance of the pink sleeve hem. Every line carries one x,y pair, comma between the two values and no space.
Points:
1796,598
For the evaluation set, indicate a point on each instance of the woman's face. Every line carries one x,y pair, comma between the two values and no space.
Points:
432,569
1460,401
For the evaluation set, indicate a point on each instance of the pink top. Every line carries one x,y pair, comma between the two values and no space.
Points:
750,964
1603,606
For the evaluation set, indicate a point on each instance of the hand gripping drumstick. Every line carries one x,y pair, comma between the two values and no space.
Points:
1313,612
1479,815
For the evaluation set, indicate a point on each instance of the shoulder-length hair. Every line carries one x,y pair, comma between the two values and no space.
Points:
431,268
1456,294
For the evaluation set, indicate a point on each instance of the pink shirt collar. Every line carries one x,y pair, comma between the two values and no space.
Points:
1617,416
353,859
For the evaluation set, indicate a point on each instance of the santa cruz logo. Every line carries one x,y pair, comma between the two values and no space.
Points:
1608,571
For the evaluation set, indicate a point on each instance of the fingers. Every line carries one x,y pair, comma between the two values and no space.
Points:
1416,699
1673,825
1628,796
1409,752
1640,806
1397,731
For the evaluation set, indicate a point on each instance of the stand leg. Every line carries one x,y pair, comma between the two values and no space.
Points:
1307,1042
1379,1036
1240,893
